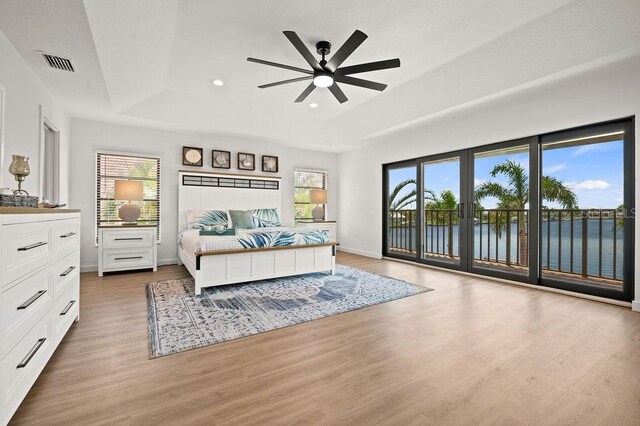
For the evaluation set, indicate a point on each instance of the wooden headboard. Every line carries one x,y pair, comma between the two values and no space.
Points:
208,191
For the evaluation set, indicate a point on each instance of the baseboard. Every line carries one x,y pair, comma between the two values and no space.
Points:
94,268
635,305
360,252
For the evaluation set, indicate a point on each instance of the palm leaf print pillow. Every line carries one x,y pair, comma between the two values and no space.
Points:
265,218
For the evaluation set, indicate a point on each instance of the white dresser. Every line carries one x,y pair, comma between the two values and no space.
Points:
323,225
39,299
125,248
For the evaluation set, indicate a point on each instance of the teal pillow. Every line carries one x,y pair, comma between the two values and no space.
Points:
241,219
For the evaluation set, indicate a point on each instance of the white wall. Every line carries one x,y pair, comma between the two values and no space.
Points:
87,137
24,92
608,92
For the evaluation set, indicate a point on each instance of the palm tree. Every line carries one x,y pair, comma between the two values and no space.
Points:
396,201
515,196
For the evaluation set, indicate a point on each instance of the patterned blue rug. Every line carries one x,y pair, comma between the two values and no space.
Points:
179,320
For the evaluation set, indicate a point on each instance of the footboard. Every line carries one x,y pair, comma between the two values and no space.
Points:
237,266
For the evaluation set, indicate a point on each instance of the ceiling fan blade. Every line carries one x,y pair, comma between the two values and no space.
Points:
370,66
273,64
360,82
346,49
305,93
292,80
300,47
338,93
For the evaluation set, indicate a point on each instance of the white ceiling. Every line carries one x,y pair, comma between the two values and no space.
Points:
150,62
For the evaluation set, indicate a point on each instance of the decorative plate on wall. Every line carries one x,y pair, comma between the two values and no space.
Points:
246,161
191,156
270,163
221,159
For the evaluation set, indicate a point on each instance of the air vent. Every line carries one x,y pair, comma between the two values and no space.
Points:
58,62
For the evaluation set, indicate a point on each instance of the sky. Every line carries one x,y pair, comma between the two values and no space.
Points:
594,172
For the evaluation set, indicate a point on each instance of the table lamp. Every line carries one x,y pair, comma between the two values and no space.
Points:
318,197
129,190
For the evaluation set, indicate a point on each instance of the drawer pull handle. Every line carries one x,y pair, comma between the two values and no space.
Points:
31,353
128,258
66,309
32,299
70,234
32,246
68,271
128,239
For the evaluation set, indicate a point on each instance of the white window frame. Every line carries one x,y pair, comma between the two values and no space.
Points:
129,154
326,188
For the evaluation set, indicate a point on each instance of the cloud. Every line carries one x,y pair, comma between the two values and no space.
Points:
554,169
477,181
589,185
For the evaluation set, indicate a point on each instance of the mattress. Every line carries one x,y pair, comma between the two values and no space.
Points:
192,242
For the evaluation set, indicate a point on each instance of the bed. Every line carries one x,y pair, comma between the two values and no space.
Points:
251,254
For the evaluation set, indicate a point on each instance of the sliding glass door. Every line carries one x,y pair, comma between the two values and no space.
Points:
443,225
401,210
554,210
502,191
586,223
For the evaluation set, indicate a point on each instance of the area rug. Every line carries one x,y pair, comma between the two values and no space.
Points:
179,320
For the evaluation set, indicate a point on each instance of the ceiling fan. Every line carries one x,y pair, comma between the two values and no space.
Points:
328,74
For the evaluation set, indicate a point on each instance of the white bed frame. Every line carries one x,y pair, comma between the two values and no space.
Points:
206,191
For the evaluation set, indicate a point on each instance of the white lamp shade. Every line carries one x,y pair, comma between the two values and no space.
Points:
318,196
130,190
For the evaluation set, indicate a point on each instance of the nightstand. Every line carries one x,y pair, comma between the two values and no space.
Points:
323,225
126,248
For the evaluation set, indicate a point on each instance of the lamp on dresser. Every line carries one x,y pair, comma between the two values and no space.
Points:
319,198
129,190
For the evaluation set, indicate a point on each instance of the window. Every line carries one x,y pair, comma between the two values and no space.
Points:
304,181
112,167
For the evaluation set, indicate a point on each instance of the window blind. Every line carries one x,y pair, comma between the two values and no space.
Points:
112,167
304,181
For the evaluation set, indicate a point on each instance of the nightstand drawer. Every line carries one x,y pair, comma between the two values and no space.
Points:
128,238
127,259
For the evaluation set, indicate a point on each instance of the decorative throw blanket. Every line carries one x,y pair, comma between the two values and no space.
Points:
192,242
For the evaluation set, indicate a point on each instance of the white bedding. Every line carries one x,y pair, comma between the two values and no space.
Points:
192,242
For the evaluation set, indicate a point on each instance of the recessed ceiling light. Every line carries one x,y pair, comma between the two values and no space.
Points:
313,105
217,82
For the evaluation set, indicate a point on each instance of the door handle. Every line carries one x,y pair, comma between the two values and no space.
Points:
461,210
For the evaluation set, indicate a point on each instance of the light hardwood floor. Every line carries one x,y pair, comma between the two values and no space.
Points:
471,352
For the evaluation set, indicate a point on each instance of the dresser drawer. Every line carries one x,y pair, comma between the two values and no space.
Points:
66,236
127,259
23,305
66,273
117,239
21,366
64,312
25,247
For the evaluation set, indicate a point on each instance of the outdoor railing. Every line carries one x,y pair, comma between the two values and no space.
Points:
579,244
587,243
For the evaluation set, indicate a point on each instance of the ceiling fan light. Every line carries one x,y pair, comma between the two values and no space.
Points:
323,80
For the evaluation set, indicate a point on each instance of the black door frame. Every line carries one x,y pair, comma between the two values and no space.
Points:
535,201
462,224
628,257
534,172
